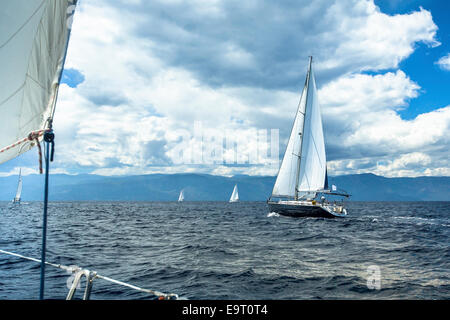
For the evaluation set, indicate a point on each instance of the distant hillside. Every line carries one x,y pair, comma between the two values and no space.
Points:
203,187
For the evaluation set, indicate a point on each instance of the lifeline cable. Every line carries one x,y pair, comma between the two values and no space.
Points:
72,269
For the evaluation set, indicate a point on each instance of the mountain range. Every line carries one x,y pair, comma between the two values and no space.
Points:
204,187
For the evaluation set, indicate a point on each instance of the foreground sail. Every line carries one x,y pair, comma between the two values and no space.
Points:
34,35
19,189
303,171
181,196
33,42
235,195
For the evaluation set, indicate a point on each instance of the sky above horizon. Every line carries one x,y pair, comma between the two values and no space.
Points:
140,76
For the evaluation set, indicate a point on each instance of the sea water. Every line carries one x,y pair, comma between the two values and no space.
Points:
219,250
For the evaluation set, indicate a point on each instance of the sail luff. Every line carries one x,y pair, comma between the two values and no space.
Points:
312,172
33,47
70,8
303,169
297,176
285,184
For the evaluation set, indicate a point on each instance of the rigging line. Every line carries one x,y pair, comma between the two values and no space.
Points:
23,25
73,269
55,98
31,136
315,147
37,82
308,77
14,93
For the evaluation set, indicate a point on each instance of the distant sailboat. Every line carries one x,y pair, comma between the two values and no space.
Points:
181,196
19,189
235,195
303,172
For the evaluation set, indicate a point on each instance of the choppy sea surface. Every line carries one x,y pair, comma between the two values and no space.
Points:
218,250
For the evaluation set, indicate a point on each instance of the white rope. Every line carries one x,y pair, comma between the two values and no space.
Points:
156,293
77,269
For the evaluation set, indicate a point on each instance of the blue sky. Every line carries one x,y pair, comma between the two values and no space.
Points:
420,66
141,76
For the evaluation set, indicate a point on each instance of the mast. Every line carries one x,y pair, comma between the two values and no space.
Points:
303,127
33,48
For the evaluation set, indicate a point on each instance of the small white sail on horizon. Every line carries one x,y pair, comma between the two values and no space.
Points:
181,196
235,195
19,189
303,168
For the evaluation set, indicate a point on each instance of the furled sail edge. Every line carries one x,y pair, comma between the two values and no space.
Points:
313,165
61,69
303,128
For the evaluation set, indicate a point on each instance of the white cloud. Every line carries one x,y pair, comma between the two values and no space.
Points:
360,114
276,38
444,62
156,100
378,41
365,134
149,76
33,170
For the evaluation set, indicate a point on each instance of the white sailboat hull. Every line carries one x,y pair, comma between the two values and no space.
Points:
306,209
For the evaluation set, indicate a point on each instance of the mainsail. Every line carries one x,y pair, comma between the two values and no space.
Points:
303,169
19,188
181,196
33,43
235,195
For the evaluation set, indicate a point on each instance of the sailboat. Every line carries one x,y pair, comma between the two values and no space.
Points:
302,176
19,189
33,45
235,195
181,196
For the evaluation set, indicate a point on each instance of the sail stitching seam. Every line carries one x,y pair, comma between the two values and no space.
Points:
22,26
14,93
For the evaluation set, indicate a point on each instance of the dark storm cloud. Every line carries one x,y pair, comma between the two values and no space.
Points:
255,44
107,99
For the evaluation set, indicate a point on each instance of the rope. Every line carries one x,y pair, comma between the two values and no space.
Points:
154,292
36,138
74,269
33,135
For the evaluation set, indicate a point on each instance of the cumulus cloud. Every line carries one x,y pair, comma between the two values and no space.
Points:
152,69
265,44
444,62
